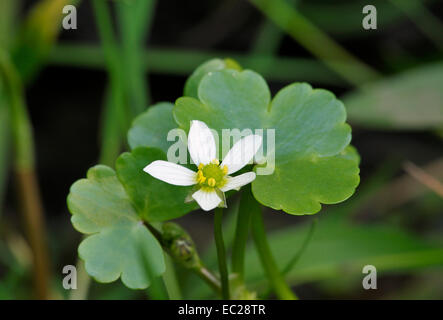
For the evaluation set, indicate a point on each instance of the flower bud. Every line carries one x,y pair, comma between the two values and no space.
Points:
180,245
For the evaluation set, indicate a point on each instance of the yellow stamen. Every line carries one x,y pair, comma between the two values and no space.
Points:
202,179
225,169
200,166
211,182
215,161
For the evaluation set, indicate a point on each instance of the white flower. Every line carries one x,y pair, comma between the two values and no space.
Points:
212,178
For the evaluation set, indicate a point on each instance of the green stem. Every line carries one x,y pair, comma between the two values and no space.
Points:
242,233
157,289
185,61
207,276
423,18
25,176
316,41
271,269
4,145
116,120
199,269
269,37
134,21
302,249
221,252
291,264
112,128
170,280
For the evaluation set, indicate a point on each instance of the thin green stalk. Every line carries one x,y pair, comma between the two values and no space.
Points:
25,176
268,38
113,121
112,56
134,20
291,264
185,61
170,280
8,14
8,18
267,43
242,233
316,41
113,125
276,279
110,48
4,144
423,18
199,269
157,289
302,249
221,252
207,276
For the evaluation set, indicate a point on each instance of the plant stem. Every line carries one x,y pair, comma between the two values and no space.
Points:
297,256
134,22
157,289
302,249
241,233
27,190
423,18
25,177
271,269
170,280
200,270
115,119
221,252
316,41
185,61
4,145
112,130
206,275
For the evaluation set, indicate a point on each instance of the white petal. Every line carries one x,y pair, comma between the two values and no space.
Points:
238,181
207,200
201,143
242,152
171,173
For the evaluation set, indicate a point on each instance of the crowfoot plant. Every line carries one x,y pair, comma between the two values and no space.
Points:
125,212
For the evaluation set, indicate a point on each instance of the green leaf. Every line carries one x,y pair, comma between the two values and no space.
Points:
153,199
118,243
150,129
312,165
412,100
191,86
314,180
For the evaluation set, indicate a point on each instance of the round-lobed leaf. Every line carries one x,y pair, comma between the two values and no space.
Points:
118,243
153,199
312,165
191,86
300,185
150,129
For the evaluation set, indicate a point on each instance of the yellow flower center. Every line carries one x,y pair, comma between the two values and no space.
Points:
211,175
